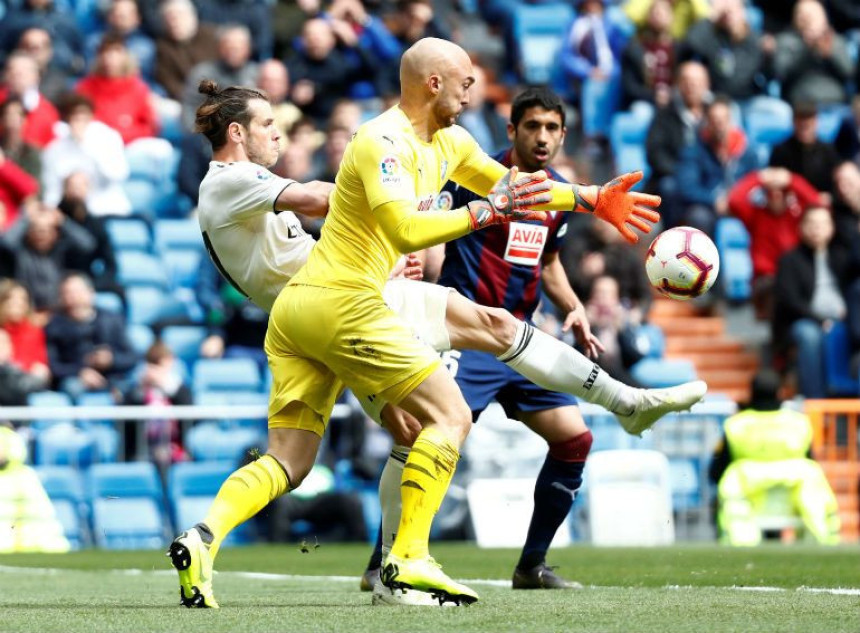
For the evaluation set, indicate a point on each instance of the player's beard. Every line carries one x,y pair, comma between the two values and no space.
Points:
259,156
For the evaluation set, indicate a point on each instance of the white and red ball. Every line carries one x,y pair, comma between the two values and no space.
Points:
682,263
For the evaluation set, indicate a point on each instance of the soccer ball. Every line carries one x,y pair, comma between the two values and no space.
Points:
682,263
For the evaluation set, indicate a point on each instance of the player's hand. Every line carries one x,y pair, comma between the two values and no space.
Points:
577,320
616,204
510,199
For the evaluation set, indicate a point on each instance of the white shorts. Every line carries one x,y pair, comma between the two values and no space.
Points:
423,306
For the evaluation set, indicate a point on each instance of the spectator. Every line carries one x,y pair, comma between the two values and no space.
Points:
100,263
729,49
296,162
160,383
195,152
274,79
123,22
324,67
611,324
766,447
675,127
596,250
88,348
15,383
685,13
848,138
93,148
21,81
777,14
809,292
846,206
590,55
346,114
232,67
237,326
803,153
412,20
12,143
253,15
66,37
121,99
183,44
812,61
53,80
44,244
27,338
648,61
333,149
16,187
481,117
709,168
770,203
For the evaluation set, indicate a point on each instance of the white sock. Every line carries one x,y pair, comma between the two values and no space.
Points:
389,496
555,366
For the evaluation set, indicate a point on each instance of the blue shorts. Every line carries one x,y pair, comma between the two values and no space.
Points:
482,378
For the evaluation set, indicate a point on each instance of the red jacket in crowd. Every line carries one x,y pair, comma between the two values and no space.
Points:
28,344
122,103
15,186
771,233
39,124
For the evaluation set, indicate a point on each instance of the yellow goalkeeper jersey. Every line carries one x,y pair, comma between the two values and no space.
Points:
387,162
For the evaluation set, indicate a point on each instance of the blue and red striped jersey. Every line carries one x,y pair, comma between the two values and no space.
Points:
500,266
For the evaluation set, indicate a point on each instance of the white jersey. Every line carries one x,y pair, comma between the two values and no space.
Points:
255,247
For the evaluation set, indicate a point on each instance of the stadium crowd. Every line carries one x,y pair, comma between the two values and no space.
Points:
742,113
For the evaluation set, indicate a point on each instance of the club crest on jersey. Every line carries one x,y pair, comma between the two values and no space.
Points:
443,202
525,243
263,174
390,170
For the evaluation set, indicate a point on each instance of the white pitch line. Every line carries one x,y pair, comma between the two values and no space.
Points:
489,582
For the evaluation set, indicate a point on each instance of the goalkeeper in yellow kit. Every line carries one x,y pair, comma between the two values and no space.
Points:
330,327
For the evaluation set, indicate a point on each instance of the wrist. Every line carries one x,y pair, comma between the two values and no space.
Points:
585,198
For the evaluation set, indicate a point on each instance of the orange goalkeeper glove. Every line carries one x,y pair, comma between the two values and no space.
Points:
615,203
510,198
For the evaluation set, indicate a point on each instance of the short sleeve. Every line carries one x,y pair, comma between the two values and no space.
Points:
253,190
385,168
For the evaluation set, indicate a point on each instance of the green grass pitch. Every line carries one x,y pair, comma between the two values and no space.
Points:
263,589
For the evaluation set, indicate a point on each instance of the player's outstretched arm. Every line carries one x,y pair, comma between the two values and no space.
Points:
508,200
612,202
309,199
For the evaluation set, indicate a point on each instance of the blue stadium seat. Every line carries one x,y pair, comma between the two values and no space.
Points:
65,444
768,121
109,302
837,363
49,399
599,102
133,523
662,372
129,234
632,157
184,341
207,441
539,31
127,479
226,374
733,243
183,234
630,127
650,340
192,487
183,266
217,398
136,268
684,477
65,487
830,120
147,305
141,337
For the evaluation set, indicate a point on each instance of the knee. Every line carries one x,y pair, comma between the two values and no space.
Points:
575,449
502,324
456,423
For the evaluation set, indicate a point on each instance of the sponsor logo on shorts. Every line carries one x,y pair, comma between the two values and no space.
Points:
362,349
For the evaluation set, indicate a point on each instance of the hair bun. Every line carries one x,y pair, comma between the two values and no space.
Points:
207,87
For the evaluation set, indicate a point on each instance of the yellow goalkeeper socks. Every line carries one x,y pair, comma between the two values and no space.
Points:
246,492
428,471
